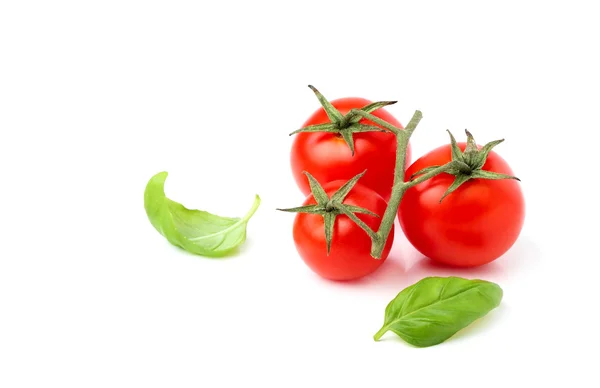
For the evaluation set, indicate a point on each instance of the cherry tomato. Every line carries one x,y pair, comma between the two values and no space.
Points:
474,225
327,157
350,255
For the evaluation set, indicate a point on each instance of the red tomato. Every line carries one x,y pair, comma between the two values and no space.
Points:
350,256
472,226
327,157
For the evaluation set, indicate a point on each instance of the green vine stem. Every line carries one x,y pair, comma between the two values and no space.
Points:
399,185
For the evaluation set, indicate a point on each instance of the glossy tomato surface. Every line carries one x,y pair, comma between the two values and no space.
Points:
472,226
327,157
350,256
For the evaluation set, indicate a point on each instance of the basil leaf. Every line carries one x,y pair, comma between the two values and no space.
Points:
435,308
196,231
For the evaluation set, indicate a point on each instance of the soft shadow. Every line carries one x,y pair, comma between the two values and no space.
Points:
523,253
391,274
405,266
386,276
427,267
233,254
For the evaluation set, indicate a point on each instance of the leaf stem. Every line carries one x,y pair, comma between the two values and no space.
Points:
400,186
380,333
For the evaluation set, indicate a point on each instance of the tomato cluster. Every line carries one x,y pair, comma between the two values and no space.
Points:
477,221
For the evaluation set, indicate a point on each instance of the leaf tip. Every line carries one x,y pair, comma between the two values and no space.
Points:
256,203
157,179
162,174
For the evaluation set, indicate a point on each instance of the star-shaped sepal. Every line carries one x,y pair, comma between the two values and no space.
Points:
469,164
330,208
347,125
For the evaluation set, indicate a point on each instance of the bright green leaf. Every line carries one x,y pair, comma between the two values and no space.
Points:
435,308
196,231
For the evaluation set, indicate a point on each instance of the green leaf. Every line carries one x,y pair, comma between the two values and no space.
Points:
435,308
196,231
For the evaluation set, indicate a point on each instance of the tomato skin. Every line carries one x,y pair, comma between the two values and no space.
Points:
350,256
327,157
474,225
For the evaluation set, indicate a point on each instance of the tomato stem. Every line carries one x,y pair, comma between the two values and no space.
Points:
399,185
398,188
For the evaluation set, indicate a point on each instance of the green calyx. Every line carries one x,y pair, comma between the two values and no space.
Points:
468,164
330,208
344,126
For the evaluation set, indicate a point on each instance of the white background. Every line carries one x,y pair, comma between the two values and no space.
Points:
96,97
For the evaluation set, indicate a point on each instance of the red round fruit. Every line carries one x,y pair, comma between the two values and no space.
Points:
327,156
350,255
474,225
